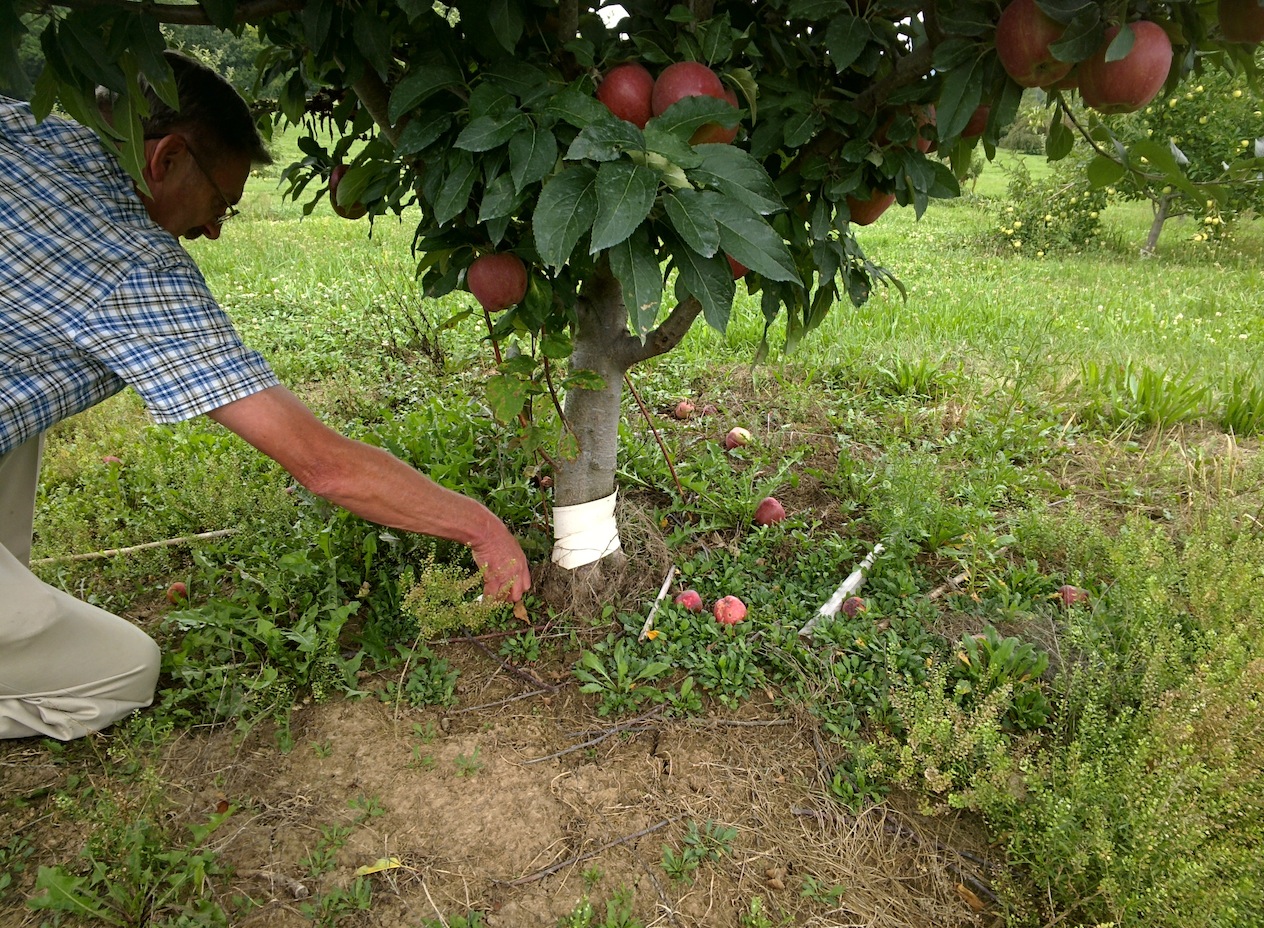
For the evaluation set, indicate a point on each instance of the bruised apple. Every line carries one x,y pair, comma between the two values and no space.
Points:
853,606
1128,84
626,90
729,611
685,410
690,600
1023,36
497,281
736,437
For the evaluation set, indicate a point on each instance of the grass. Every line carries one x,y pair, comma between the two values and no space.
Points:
1019,422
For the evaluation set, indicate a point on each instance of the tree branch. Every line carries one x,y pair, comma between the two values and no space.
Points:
668,334
248,11
376,97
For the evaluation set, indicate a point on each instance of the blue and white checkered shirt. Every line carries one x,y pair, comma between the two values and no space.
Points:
96,296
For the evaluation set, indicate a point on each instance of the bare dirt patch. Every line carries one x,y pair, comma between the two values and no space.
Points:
519,809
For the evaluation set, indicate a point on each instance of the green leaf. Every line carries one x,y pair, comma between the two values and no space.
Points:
1082,37
693,221
372,36
958,99
710,281
220,12
1060,140
800,127
1103,171
421,82
605,140
317,17
636,268
65,893
1121,44
625,195
454,195
487,132
423,131
686,116
532,155
815,9
507,396
749,238
845,38
506,21
565,211
733,171
577,108
500,199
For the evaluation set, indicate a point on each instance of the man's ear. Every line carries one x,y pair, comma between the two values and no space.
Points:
162,155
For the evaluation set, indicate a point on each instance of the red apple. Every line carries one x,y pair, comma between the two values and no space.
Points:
922,116
864,212
349,210
769,511
1126,85
1072,594
684,409
690,600
978,122
736,437
713,132
739,269
1241,20
177,593
497,281
1023,36
684,79
853,606
626,90
709,409
729,611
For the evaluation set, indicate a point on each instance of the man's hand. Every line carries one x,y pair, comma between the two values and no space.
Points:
505,574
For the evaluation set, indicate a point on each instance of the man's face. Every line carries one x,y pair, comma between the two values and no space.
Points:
191,196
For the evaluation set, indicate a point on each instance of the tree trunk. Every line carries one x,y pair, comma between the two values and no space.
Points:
1161,209
593,415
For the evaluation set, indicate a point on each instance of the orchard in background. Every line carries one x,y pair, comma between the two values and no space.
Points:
773,129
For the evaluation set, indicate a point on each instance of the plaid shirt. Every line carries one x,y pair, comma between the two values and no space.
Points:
95,296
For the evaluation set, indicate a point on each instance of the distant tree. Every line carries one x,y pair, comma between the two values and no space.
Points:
1213,128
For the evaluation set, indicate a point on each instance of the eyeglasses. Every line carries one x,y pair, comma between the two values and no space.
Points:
229,209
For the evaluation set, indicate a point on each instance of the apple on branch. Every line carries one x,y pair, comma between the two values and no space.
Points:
497,281
1023,36
354,210
692,79
626,90
1127,84
865,212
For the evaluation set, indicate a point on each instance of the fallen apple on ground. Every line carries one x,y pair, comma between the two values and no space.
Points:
690,599
769,511
177,593
729,611
736,437
1071,595
497,281
853,606
684,409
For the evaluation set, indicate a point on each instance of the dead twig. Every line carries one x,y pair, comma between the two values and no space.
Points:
621,727
950,585
111,552
580,858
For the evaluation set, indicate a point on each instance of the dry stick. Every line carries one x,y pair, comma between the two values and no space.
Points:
622,726
580,858
507,665
110,552
658,438
499,702
662,593
950,585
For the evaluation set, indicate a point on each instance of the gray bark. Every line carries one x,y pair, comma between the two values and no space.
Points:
1161,209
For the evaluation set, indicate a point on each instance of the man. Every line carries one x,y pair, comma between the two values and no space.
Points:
96,294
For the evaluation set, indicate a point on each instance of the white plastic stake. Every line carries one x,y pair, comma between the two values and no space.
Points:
849,587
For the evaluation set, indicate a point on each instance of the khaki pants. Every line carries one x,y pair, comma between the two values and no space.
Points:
67,668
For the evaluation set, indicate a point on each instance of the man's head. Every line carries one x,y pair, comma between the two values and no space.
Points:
197,158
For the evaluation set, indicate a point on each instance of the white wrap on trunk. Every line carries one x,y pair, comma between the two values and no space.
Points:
584,533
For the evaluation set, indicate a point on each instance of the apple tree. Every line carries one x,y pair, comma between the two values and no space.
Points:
743,145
